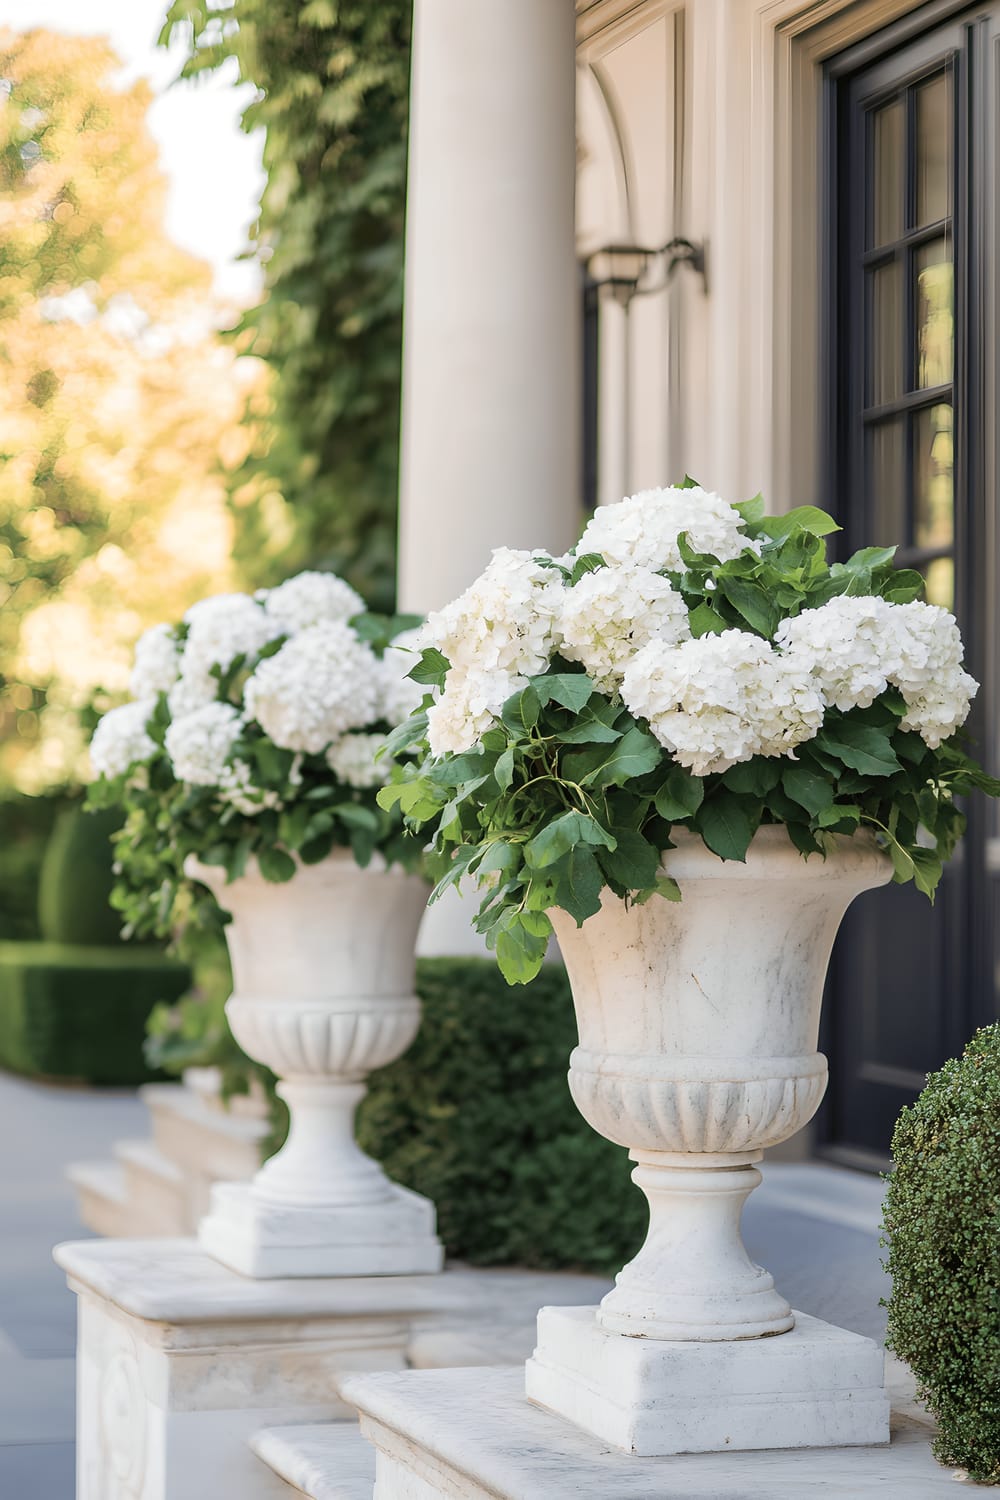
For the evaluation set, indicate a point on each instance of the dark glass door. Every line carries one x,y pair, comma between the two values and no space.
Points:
912,416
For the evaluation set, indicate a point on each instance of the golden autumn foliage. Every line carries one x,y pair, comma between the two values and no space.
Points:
121,403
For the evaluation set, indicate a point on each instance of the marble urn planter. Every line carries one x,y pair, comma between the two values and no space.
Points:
323,975
698,1024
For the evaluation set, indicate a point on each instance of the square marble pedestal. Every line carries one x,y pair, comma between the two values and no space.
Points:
393,1238
180,1360
814,1387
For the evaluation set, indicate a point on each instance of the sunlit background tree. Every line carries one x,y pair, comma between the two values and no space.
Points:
122,401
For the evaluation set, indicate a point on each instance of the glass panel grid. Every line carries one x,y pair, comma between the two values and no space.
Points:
887,126
934,290
932,109
909,333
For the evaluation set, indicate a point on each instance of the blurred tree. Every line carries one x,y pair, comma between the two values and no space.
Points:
120,399
332,79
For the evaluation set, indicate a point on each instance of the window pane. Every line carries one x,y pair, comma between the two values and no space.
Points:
888,172
933,150
935,324
884,472
939,582
885,353
933,478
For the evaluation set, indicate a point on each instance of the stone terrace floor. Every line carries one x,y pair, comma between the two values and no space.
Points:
814,1227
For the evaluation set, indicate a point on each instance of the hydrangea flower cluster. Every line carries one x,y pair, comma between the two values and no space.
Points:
257,721
722,699
121,742
690,664
856,648
643,529
617,608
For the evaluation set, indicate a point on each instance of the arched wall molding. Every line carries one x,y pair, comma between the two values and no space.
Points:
641,89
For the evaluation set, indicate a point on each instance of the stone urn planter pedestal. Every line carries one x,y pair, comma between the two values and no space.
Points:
323,975
315,1269
698,1024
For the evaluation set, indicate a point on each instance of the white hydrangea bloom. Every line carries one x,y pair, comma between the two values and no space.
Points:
222,628
613,612
321,682
309,598
352,760
399,694
468,706
200,743
237,787
192,690
121,740
505,621
846,645
722,699
157,662
928,672
856,648
642,530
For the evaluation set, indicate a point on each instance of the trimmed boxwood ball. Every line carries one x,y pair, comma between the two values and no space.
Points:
478,1116
942,1225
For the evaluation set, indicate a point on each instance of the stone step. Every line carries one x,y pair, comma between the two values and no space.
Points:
162,1186
205,1136
325,1461
101,1199
440,1433
154,1189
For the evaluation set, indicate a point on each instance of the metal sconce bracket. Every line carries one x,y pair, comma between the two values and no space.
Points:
625,266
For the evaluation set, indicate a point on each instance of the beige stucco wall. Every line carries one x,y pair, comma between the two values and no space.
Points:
711,129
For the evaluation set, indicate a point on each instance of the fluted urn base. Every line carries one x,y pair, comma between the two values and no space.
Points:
693,1278
392,1237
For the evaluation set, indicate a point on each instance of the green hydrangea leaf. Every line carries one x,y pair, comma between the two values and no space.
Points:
727,826
680,795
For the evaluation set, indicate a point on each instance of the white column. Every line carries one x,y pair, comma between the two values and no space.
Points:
490,442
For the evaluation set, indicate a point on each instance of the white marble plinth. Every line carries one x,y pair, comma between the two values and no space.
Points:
439,1433
180,1360
393,1237
815,1387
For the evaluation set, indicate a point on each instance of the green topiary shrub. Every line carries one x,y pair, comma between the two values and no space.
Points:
80,1013
942,1227
74,890
478,1115
26,825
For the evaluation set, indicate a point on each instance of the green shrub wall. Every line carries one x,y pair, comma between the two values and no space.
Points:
26,825
942,1224
478,1116
80,1012
74,891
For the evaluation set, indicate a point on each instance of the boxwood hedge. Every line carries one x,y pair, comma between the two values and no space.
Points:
478,1116
942,1228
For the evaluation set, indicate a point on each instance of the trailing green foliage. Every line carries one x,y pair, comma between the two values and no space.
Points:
942,1227
332,79
568,793
80,1012
478,1115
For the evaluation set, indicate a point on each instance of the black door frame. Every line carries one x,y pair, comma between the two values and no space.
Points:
975,451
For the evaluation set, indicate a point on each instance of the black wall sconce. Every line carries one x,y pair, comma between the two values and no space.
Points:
624,268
